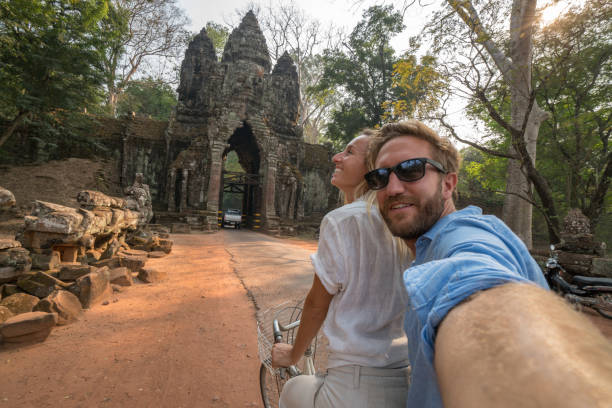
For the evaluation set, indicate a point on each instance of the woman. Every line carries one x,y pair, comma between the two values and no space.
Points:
357,292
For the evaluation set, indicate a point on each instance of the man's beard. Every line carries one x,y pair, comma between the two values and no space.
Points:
429,213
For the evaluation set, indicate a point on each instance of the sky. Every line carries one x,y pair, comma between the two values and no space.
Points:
347,13
343,13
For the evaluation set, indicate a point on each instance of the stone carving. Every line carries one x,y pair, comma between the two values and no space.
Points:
139,199
7,199
240,103
579,253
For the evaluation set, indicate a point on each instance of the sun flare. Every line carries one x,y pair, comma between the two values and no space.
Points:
552,10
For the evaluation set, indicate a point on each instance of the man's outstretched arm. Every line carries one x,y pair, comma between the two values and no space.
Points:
517,345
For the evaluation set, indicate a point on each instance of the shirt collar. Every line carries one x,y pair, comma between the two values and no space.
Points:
444,221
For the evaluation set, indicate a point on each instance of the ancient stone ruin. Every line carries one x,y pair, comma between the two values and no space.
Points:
579,253
241,104
69,259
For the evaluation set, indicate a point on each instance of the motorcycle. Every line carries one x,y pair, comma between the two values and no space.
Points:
595,293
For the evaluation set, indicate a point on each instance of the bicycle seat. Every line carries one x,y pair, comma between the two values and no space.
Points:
589,281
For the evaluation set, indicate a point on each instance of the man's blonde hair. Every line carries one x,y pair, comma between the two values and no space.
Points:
443,150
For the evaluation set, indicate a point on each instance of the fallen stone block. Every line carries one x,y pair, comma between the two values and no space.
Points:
73,272
149,275
7,199
157,254
91,199
92,255
17,257
8,274
92,289
27,324
163,245
121,276
45,261
9,243
35,337
133,263
19,303
111,249
602,267
8,289
5,313
40,284
111,263
65,304
133,252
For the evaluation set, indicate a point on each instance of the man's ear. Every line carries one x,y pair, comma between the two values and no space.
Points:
449,183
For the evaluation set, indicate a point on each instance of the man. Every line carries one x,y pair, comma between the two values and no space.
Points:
482,329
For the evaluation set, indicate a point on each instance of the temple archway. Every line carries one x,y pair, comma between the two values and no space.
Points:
241,179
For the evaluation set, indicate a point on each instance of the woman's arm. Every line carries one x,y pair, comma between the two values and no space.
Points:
314,313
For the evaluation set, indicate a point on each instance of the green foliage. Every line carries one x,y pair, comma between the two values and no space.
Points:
362,73
147,97
218,34
49,56
572,72
232,164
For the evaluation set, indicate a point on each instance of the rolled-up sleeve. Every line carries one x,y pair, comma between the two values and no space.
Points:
438,286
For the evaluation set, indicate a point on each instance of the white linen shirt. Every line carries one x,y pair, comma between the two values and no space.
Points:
358,262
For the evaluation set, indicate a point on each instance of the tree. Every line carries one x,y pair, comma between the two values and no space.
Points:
418,88
152,31
218,34
482,54
572,80
50,61
147,97
362,72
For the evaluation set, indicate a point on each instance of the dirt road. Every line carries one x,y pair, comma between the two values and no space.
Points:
188,342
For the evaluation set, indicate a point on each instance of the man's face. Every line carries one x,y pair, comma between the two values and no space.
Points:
410,208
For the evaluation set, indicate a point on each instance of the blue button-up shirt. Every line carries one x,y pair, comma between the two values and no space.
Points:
463,253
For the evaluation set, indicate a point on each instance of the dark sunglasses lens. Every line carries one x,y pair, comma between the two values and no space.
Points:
410,170
377,179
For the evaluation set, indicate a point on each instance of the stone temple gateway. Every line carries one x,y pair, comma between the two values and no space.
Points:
240,104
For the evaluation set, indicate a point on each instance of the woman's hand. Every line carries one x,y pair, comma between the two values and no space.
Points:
281,355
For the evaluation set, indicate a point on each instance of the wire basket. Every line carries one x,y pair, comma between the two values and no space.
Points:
285,313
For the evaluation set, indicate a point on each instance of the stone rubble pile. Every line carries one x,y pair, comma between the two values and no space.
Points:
66,260
578,251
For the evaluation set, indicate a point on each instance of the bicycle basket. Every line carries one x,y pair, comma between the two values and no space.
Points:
285,313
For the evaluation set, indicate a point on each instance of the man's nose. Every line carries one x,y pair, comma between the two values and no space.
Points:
395,185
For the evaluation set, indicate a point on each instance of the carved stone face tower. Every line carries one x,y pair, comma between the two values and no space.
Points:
238,105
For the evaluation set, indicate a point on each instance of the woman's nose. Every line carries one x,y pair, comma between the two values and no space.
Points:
337,157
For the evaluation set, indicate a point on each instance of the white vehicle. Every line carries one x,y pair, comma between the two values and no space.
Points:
232,217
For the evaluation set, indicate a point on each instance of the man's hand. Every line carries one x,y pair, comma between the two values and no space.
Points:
281,355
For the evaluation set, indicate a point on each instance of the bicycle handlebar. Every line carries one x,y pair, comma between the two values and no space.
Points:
278,330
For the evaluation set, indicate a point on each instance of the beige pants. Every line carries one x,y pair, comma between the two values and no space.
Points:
350,387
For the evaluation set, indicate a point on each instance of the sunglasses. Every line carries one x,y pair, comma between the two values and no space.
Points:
408,170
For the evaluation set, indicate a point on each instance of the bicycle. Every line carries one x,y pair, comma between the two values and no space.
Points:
279,325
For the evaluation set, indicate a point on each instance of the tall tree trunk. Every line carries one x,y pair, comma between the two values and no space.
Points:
525,114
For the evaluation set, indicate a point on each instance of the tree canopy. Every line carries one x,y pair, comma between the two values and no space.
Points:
50,58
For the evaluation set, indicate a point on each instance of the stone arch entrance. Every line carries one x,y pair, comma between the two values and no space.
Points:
247,183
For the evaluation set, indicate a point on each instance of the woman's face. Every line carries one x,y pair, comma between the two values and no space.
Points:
350,165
